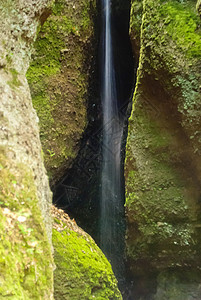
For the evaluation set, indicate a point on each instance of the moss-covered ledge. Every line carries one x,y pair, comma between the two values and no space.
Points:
82,270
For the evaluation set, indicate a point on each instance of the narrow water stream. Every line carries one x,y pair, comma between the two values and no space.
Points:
111,194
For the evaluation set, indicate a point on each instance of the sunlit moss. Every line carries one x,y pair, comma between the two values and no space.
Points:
183,26
82,270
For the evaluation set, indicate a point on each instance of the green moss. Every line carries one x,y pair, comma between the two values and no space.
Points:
169,29
82,271
58,78
15,82
136,16
25,255
160,212
170,33
162,155
182,24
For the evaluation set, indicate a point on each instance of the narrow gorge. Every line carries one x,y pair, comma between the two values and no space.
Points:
100,103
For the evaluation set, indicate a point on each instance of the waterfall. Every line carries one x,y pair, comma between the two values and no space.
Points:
112,209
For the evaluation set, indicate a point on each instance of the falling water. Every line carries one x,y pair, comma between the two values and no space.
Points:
112,211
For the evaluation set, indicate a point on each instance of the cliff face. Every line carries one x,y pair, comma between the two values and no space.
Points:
59,78
163,150
25,251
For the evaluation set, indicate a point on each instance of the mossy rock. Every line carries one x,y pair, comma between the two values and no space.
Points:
82,270
26,264
58,77
163,159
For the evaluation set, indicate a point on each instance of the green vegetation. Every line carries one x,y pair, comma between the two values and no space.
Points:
161,192
82,271
25,254
58,78
160,212
136,16
15,82
183,26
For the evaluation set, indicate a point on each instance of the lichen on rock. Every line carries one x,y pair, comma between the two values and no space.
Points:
25,226
25,253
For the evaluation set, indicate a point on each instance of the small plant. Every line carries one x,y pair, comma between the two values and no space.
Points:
51,153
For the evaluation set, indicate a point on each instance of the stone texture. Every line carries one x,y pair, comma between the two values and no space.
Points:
163,150
21,159
59,78
20,134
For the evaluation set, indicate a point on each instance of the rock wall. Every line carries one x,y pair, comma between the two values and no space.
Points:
163,151
59,78
25,250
